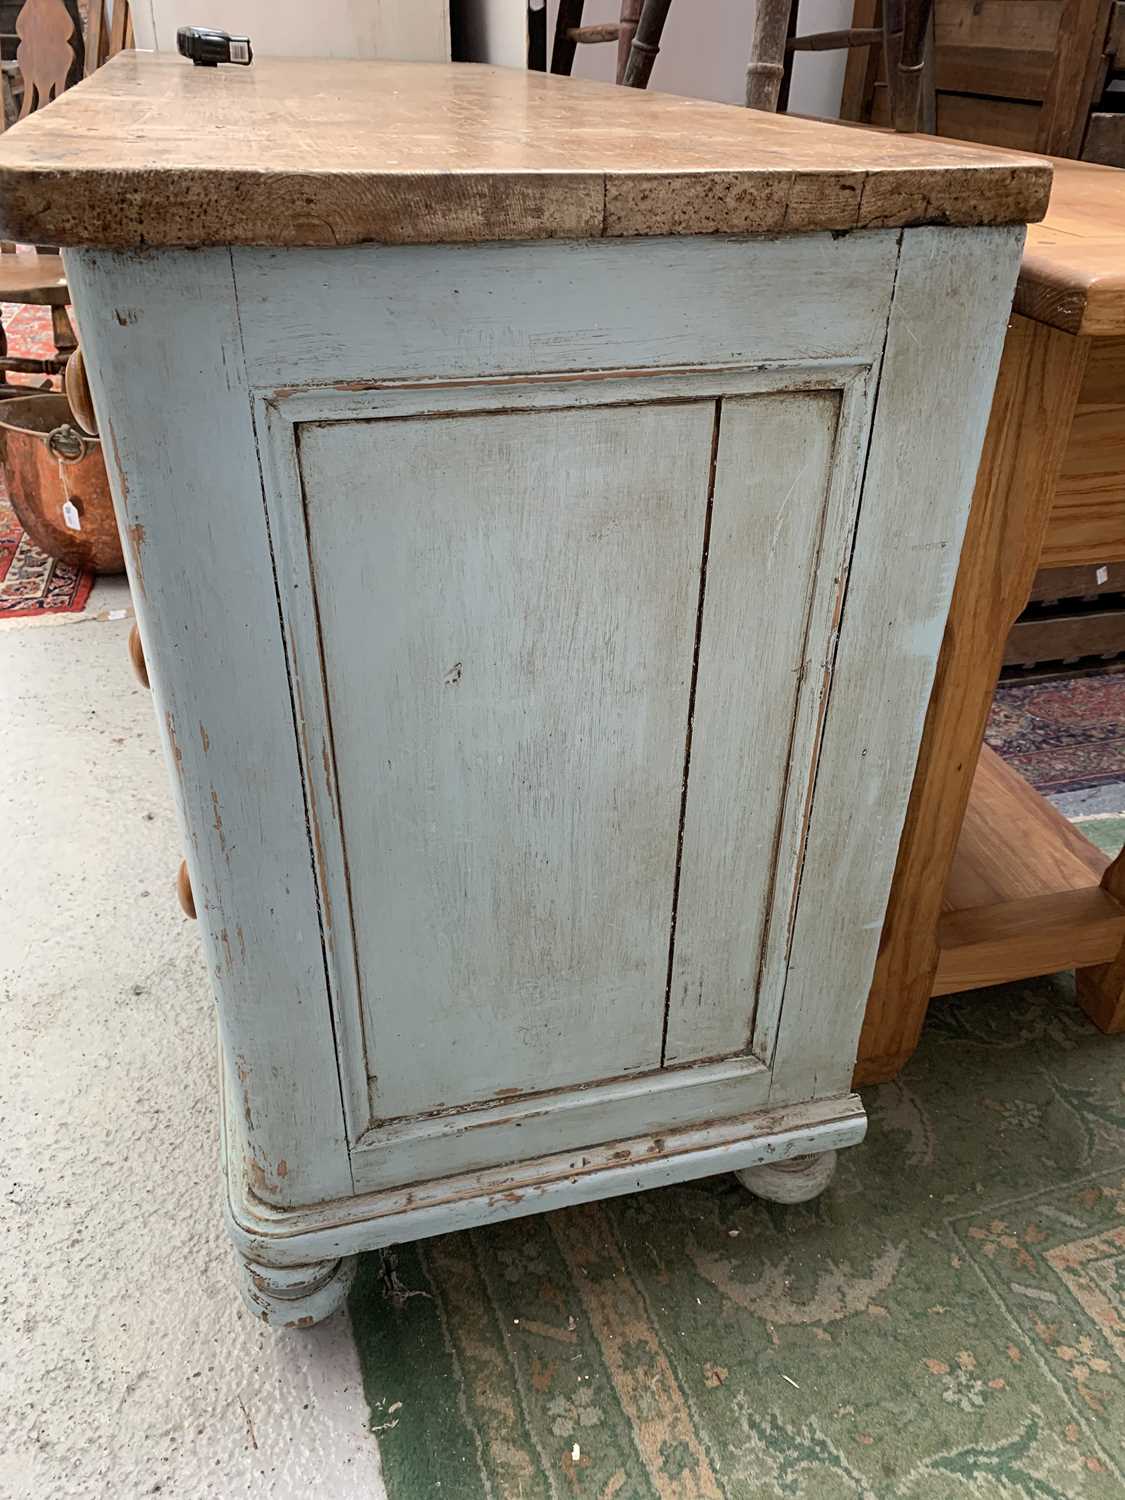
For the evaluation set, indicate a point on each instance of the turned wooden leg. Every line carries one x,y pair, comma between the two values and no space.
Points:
1028,431
184,891
137,657
1101,988
793,1181
296,1296
766,69
77,390
644,45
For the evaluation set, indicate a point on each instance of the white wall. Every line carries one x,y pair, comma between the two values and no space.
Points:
412,30
706,47
704,55
493,31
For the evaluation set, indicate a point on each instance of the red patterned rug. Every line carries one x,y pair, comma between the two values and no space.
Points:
1062,734
31,583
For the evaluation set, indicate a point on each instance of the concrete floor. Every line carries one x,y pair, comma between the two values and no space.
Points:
128,1365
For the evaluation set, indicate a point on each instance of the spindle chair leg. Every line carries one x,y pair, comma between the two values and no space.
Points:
766,69
630,15
646,43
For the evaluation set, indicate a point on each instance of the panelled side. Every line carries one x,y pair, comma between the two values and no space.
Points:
374,313
490,500
751,747
164,352
950,311
507,649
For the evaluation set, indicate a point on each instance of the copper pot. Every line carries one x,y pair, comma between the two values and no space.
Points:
57,483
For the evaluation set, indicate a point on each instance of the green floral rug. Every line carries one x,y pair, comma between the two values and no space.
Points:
1106,831
948,1320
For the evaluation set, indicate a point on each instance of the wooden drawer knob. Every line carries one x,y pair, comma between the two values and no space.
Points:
184,891
77,389
137,657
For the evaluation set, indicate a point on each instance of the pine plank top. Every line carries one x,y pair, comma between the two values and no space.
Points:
1073,271
290,151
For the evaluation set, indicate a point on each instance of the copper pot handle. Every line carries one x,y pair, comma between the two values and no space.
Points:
69,445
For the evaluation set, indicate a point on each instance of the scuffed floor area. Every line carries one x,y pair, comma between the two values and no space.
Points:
128,1365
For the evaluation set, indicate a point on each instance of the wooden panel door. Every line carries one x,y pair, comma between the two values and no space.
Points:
575,673
508,655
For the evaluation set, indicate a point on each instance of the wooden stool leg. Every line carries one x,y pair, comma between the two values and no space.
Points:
62,330
1101,989
1027,436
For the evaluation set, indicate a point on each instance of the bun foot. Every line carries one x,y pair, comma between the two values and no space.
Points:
296,1296
793,1181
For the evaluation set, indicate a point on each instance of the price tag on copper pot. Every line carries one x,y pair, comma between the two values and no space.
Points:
70,515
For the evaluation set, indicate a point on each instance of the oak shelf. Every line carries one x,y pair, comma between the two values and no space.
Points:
1024,895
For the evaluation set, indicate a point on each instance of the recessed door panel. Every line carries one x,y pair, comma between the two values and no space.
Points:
508,656
762,655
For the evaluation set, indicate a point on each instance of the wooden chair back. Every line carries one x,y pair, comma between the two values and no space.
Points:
51,53
904,40
637,33
47,56
106,35
1028,76
51,56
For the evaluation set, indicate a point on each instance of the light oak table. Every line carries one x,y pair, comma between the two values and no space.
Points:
992,884
542,504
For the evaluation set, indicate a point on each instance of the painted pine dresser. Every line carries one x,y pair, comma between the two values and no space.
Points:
542,503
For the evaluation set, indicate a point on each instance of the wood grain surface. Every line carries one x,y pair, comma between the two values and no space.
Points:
1010,123
994,47
1015,845
1088,517
1066,638
28,277
1078,54
986,945
1105,139
1024,895
1101,990
151,151
1073,272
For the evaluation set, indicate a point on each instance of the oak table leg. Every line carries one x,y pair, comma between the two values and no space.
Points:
1101,989
1036,393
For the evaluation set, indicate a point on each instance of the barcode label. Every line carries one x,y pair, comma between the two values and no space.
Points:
239,51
